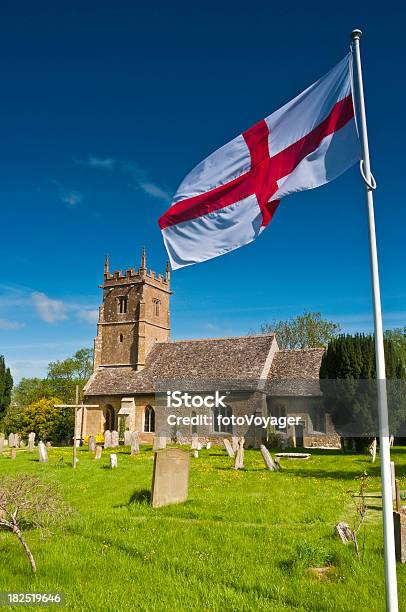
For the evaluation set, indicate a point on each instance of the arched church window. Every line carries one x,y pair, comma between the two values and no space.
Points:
222,420
122,304
110,418
149,419
121,338
156,304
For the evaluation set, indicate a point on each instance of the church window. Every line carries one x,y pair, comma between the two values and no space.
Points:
122,304
222,420
121,337
149,419
156,304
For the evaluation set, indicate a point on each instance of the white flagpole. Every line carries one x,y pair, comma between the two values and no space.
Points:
387,504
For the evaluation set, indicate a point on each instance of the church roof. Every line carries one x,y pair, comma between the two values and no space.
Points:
295,372
238,358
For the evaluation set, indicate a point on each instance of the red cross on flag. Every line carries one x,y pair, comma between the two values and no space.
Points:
231,196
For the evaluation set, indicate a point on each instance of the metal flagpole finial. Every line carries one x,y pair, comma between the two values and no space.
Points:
356,34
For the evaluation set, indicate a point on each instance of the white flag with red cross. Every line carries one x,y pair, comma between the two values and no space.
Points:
231,196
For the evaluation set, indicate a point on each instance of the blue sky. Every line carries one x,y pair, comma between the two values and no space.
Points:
106,106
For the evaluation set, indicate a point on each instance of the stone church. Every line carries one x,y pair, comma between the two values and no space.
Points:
134,358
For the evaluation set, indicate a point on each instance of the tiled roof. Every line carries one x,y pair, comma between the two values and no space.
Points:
239,358
295,372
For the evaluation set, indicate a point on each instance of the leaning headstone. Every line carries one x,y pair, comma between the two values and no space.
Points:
267,457
170,482
42,452
113,460
13,453
344,532
31,441
92,444
399,519
127,438
159,443
107,439
1,442
98,452
228,447
11,440
234,443
195,442
239,455
208,445
135,443
115,439
393,478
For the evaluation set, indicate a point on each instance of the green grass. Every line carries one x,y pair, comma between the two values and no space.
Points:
243,541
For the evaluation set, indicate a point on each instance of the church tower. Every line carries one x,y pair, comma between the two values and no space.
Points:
133,316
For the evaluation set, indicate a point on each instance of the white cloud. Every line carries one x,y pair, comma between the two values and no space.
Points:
89,316
6,324
104,163
137,174
154,191
71,197
49,310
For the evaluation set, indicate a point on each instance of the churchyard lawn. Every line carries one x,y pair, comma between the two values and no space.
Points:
244,540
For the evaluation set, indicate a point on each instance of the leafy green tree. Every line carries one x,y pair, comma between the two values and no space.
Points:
6,386
51,424
63,376
307,330
398,337
349,366
29,390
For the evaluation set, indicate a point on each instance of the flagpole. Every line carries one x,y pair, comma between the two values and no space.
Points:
387,504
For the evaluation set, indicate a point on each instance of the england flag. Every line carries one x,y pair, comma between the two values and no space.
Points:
230,197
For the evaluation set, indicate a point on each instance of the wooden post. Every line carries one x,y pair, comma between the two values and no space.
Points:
75,427
397,487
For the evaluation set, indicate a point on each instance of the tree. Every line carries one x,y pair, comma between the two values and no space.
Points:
307,330
63,376
347,374
27,502
30,390
6,386
398,337
49,423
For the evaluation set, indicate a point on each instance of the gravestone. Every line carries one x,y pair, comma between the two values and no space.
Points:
135,443
195,442
399,519
393,478
92,444
196,454
98,452
113,460
13,453
1,442
107,439
208,445
127,438
229,448
239,455
115,439
159,443
234,443
170,481
17,440
267,457
11,440
42,452
31,441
